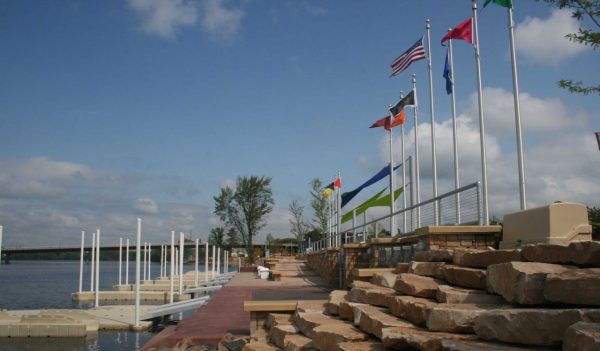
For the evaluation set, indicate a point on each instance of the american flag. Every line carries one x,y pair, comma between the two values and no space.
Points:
414,53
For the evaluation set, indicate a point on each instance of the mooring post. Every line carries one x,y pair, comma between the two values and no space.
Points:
93,261
196,268
97,267
172,264
120,260
214,253
181,240
80,257
149,260
127,262
206,262
137,272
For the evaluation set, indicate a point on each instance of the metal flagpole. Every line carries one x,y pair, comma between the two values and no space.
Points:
97,268
415,113
196,268
149,260
93,261
172,282
454,138
181,240
432,110
403,173
127,262
392,185
120,260
412,193
486,219
80,258
137,272
162,252
513,58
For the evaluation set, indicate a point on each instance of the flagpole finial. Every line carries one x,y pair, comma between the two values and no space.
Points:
414,78
474,3
427,25
401,93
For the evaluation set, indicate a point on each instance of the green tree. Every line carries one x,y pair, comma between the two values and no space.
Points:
216,236
245,209
233,239
319,206
298,226
594,218
582,9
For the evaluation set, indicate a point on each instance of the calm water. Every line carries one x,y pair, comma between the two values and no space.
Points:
49,284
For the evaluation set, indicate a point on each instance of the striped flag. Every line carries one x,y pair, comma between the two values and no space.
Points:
414,53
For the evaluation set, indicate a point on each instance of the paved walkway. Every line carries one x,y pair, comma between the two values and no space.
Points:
224,313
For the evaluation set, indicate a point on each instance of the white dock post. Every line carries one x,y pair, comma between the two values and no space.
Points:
197,242
127,263
145,250
80,257
176,261
226,269
162,252
213,260
120,260
93,261
172,262
206,262
181,240
149,260
219,261
137,272
97,304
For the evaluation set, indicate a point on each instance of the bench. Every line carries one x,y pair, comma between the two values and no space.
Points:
275,275
259,311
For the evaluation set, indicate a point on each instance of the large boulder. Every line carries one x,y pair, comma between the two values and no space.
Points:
465,345
452,294
372,320
456,318
429,269
582,336
576,286
400,338
361,346
278,333
416,285
308,321
521,282
384,279
581,253
297,342
333,304
441,255
482,259
463,276
330,336
346,310
413,309
401,267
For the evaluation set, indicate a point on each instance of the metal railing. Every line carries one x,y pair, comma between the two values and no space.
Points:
457,207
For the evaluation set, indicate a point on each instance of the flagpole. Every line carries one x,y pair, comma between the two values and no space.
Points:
403,173
513,58
484,187
417,191
432,110
454,139
392,187
339,211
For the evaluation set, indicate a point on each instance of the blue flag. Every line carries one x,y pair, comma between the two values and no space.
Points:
448,75
349,195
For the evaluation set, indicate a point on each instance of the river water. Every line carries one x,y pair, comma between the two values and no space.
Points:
49,284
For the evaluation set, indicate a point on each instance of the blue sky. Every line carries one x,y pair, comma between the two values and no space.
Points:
114,110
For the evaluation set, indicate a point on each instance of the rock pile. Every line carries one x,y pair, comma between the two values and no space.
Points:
541,297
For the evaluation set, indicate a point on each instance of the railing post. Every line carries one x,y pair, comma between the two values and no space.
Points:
479,217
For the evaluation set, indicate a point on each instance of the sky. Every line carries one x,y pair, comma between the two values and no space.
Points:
114,110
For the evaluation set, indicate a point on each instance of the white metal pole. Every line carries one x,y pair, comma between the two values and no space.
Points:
145,251
415,113
513,58
206,261
392,185
364,238
93,261
484,187
162,252
172,264
80,257
97,267
218,261
196,270
454,129
403,175
137,271
214,253
432,110
120,261
181,241
127,262
149,260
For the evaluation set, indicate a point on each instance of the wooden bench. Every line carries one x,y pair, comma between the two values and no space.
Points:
275,275
259,311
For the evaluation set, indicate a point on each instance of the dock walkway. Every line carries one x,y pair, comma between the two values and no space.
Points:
224,313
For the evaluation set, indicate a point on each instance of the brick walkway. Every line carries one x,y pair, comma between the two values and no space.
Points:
224,313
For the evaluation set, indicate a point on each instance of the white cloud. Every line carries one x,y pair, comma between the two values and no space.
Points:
165,17
543,40
228,183
146,205
220,22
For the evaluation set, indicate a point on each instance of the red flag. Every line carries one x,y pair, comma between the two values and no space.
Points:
463,31
398,120
337,183
383,122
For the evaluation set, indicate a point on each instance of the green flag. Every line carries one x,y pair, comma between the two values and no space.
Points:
505,3
374,201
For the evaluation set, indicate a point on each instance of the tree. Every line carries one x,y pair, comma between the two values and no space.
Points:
594,218
233,239
216,236
581,9
319,206
245,208
298,225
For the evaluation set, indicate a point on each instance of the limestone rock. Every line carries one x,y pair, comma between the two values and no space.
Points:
372,320
308,321
458,253
413,309
532,326
483,259
401,267
582,336
441,255
361,346
380,297
330,336
429,269
279,332
275,319
581,253
416,285
399,338
346,310
462,345
297,342
260,334
335,297
456,318
576,286
452,294
259,346
521,282
384,279
466,277
311,305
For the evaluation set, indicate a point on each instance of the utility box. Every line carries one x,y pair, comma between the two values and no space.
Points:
558,223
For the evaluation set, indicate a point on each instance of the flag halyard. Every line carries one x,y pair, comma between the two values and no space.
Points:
414,53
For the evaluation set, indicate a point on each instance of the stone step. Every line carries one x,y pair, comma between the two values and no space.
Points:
416,285
428,269
457,318
401,267
297,342
452,294
522,282
413,309
346,310
464,345
307,322
399,338
373,319
259,346
278,333
576,286
311,305
362,346
260,334
582,336
531,326
440,255
328,337
482,259
374,295
275,319
474,278
581,253
386,279
333,304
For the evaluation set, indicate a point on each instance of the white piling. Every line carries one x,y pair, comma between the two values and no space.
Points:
145,251
218,261
181,240
149,260
172,262
93,261
127,263
120,260
213,260
97,302
80,257
206,261
162,251
137,272
196,269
